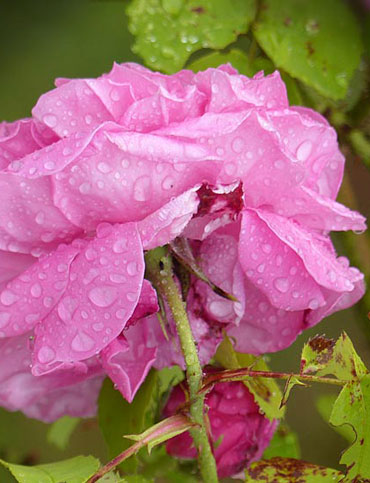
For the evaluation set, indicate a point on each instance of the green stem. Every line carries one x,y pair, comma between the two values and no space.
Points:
245,373
159,271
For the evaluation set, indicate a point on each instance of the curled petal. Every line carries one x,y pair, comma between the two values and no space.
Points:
317,254
127,362
104,286
274,266
168,222
147,303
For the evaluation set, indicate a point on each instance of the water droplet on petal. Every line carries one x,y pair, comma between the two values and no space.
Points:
103,296
50,120
120,246
132,268
313,304
281,284
36,290
104,168
40,218
142,188
82,342
237,145
8,297
304,150
46,354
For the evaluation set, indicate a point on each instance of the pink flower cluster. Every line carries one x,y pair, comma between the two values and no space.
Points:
107,168
238,431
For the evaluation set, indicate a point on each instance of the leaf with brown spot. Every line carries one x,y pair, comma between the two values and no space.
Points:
322,356
352,408
289,470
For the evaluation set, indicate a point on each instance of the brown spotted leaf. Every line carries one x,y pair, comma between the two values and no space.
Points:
352,408
322,356
289,470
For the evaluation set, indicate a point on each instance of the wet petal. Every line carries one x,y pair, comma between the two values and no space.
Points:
147,303
263,327
168,222
29,220
29,298
317,253
127,362
104,286
274,266
72,392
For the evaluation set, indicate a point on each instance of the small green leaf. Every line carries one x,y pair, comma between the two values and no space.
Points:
290,383
289,470
322,356
168,32
73,470
324,406
266,392
117,417
162,431
352,407
284,444
318,42
60,431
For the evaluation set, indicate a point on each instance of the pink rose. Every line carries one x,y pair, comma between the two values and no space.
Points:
238,431
107,168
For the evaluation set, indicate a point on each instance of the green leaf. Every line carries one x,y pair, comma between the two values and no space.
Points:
352,407
316,41
60,431
117,417
266,392
168,32
284,444
162,431
322,356
289,470
73,470
324,406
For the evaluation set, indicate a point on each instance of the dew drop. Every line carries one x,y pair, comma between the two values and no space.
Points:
237,145
313,304
121,313
281,284
99,326
46,354
141,188
219,308
50,120
103,296
40,218
8,297
88,119
104,168
132,268
49,165
304,150
120,246
36,290
82,342
84,188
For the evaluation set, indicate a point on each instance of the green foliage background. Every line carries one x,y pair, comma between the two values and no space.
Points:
44,39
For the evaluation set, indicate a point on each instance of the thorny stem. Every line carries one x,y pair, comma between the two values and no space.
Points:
159,271
244,373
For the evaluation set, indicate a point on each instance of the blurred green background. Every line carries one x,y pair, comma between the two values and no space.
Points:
43,39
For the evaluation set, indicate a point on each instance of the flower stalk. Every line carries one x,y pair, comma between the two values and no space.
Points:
159,271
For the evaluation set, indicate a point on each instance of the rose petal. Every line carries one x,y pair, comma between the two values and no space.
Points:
263,327
273,266
319,260
47,398
30,296
127,362
169,221
104,286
